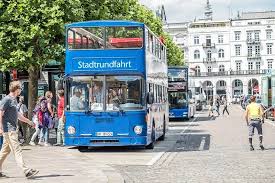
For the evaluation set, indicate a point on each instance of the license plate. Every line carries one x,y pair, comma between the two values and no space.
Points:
104,134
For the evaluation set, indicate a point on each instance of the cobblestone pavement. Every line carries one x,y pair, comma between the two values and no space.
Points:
211,150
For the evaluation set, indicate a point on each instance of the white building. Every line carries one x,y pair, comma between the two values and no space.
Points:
252,37
228,57
178,31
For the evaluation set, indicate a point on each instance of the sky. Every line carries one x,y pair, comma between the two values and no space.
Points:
187,10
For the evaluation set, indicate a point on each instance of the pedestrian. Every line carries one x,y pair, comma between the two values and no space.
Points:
61,119
217,104
8,120
35,119
254,119
47,115
210,110
21,126
225,105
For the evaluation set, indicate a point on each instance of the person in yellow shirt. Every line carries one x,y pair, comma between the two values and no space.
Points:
254,119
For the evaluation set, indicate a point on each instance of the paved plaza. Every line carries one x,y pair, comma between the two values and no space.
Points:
202,149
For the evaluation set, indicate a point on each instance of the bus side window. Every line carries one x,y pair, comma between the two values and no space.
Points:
71,39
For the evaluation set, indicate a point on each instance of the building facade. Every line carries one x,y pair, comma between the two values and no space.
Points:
229,57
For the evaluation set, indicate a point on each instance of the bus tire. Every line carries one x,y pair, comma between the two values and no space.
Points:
164,131
153,138
82,148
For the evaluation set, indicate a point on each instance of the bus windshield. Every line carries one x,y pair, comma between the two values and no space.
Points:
110,93
177,75
178,100
105,37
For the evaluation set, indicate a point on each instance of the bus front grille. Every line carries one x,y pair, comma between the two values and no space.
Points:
104,141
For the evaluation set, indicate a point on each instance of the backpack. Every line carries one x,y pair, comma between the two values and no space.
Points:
40,109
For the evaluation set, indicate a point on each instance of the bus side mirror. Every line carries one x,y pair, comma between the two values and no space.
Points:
150,98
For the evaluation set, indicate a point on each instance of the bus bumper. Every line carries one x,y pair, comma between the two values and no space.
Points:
105,141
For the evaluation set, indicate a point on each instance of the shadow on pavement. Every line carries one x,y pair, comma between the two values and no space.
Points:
49,176
193,142
201,119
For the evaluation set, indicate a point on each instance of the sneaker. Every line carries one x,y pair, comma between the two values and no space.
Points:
3,175
57,144
40,143
251,148
31,173
262,147
32,143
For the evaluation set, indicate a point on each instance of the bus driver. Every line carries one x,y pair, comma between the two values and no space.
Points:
76,102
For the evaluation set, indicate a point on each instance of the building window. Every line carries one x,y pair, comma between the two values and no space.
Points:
238,66
197,70
222,83
257,50
269,34
196,40
196,54
209,54
208,40
220,39
249,51
237,35
258,66
257,36
237,50
269,64
221,53
269,49
249,36
250,66
209,69
221,68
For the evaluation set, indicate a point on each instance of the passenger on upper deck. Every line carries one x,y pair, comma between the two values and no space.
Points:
75,101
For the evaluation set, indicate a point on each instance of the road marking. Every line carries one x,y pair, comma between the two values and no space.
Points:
202,144
155,159
160,154
188,126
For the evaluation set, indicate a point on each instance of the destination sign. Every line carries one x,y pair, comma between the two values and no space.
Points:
91,64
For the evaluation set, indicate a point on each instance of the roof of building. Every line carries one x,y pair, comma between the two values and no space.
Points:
257,15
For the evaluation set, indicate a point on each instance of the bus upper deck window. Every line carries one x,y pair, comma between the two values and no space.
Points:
124,37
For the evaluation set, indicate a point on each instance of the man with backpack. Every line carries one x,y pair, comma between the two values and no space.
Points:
8,120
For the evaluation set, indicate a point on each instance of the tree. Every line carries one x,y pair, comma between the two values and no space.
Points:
32,33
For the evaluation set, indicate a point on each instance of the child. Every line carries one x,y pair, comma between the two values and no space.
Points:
35,119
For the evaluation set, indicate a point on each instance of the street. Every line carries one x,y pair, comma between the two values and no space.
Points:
202,149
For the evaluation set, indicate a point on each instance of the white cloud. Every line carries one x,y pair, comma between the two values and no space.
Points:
184,10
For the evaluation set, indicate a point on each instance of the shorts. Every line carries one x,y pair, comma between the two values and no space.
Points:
255,124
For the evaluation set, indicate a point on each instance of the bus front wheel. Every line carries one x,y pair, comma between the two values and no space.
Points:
153,138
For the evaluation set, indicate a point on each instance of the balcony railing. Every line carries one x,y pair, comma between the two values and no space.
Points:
257,56
252,41
209,60
208,45
228,73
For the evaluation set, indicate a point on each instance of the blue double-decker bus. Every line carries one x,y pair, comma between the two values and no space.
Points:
180,104
116,85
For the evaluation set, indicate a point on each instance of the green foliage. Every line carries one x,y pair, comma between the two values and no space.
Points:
32,31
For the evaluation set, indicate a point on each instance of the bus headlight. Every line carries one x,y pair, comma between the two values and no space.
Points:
138,130
71,130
